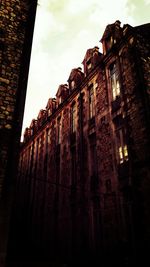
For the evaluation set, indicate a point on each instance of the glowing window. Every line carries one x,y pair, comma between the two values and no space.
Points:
122,149
114,81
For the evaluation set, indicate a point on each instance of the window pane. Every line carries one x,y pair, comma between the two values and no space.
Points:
121,146
73,119
120,154
91,103
114,78
59,131
125,152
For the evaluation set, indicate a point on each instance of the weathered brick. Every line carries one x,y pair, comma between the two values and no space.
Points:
3,80
2,116
8,126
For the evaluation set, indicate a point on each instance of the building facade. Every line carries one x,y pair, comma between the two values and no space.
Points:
84,180
16,30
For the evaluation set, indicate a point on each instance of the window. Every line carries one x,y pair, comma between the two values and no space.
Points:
109,42
122,149
89,64
72,85
30,161
93,158
114,81
49,112
59,131
93,163
73,119
36,155
73,166
48,138
48,135
32,132
57,168
41,139
59,100
91,103
37,149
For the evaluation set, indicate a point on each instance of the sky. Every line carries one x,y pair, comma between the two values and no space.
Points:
64,30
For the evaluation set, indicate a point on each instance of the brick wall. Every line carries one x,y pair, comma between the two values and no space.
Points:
85,195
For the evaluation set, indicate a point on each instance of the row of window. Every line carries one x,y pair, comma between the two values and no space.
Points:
114,82
122,150
115,87
73,115
37,147
121,143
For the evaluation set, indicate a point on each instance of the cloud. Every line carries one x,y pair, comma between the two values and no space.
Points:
139,10
147,2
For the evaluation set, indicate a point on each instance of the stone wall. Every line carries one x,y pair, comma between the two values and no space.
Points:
16,29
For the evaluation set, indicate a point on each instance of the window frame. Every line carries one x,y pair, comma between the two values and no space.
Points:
91,102
73,166
114,81
59,131
73,118
89,64
72,83
121,146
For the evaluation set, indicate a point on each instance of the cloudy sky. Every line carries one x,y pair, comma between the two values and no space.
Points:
64,30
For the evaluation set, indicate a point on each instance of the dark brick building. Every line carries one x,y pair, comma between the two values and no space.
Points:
16,30
84,180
